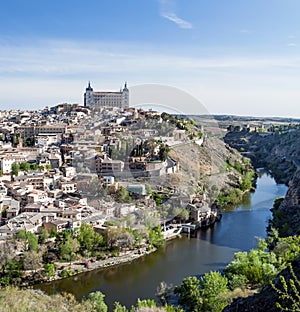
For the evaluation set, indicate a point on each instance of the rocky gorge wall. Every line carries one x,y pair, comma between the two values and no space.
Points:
286,217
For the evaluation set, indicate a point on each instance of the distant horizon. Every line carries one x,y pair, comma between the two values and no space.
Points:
185,114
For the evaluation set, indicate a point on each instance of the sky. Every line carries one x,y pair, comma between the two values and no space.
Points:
237,57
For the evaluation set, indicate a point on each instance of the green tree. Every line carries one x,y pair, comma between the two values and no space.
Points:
258,266
88,239
68,248
238,167
119,308
288,248
30,141
34,167
245,184
146,303
156,237
213,288
189,294
123,196
48,167
163,152
15,168
24,166
4,213
50,269
237,281
97,300
28,240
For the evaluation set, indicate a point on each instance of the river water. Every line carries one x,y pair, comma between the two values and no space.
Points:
212,249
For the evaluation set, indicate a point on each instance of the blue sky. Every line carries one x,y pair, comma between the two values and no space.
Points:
236,56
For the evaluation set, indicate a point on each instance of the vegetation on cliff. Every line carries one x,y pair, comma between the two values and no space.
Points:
233,194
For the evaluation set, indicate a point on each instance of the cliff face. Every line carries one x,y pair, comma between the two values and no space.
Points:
293,195
204,168
287,216
277,152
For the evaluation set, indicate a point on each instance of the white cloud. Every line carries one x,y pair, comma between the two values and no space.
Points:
292,44
167,11
56,59
177,20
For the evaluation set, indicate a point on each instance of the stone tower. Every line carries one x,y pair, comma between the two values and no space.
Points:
89,96
125,96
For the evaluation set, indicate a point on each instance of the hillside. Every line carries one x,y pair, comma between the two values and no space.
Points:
203,168
277,151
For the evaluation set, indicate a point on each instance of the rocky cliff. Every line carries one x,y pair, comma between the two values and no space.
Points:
286,217
278,152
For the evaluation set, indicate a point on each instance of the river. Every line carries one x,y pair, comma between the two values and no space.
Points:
212,249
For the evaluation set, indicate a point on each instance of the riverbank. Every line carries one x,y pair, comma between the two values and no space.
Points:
84,265
68,269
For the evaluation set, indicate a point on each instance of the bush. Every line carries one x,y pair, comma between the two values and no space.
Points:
237,281
97,300
65,273
258,266
156,237
231,197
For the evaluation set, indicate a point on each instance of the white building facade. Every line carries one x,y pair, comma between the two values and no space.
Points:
98,99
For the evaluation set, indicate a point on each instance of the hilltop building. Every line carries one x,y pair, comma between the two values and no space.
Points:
98,99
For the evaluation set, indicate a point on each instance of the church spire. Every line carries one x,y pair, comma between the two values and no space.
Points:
125,87
89,88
